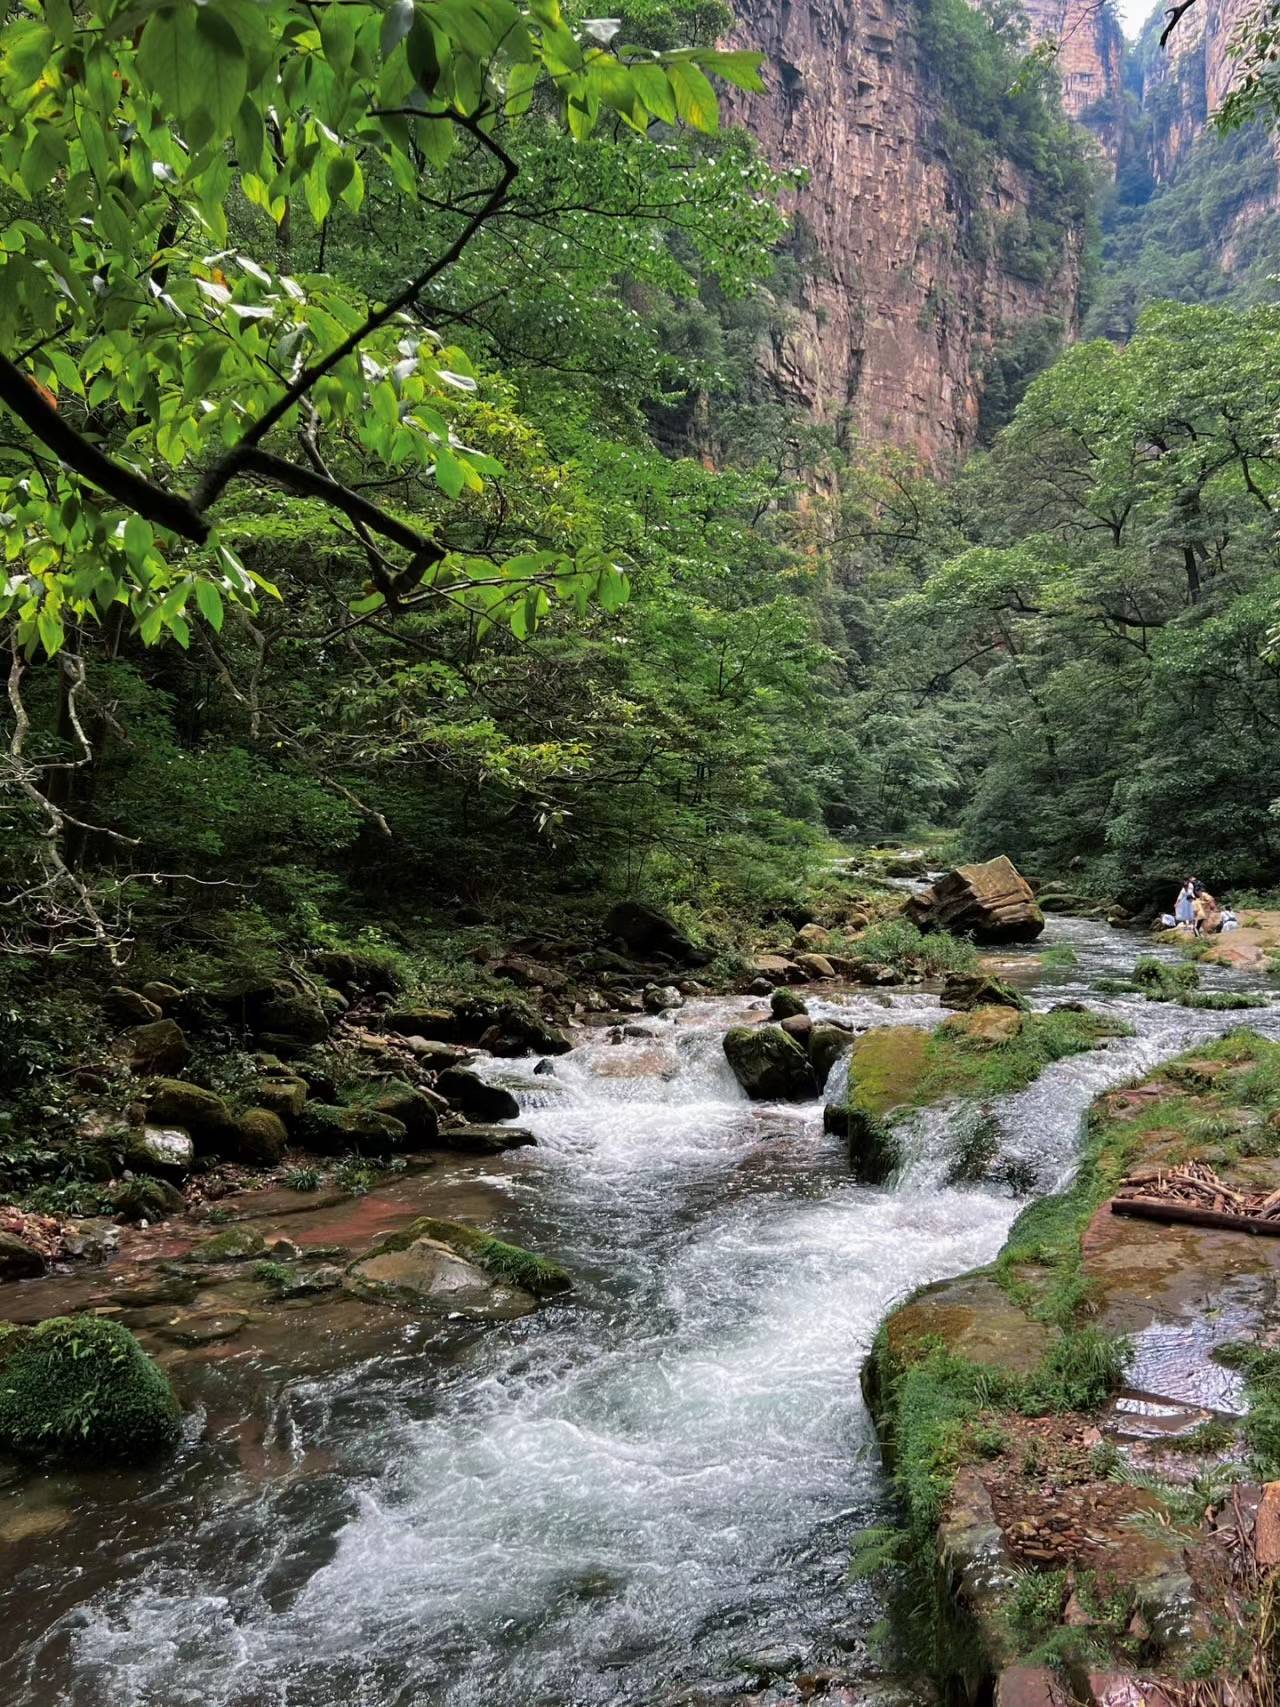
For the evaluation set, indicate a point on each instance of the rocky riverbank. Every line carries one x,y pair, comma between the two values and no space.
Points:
1085,1437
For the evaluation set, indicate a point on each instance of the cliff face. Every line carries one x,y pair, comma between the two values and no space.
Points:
1183,84
922,269
1090,56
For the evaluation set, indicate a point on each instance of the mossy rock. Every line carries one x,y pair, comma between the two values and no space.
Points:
769,1065
167,1151
510,1264
403,1102
874,1152
437,1025
82,1388
233,1244
827,1043
477,1099
282,1094
965,990
984,1028
330,1129
262,1138
147,1199
203,1113
289,1019
787,1004
158,1047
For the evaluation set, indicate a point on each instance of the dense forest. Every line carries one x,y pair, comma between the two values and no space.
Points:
520,588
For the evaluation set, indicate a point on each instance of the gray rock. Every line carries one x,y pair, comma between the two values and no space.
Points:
485,1140
475,1096
18,1260
167,1151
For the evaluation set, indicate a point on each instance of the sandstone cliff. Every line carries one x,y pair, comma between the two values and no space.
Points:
1184,84
923,267
1090,60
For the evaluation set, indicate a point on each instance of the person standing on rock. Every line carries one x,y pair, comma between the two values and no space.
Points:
1184,906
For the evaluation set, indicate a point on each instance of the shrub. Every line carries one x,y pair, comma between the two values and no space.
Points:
82,1387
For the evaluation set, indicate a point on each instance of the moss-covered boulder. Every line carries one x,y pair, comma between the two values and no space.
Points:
477,1099
427,1276
167,1151
262,1138
287,1018
511,1264
82,1388
146,1198
330,1128
785,1003
403,1102
233,1244
769,1065
827,1043
964,990
437,1025
281,1093
984,1027
202,1113
160,1046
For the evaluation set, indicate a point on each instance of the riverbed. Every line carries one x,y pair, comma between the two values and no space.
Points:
642,1496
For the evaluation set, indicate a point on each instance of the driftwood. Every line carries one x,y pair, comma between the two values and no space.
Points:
1194,1195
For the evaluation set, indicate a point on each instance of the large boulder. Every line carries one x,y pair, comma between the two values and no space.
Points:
234,1244
425,1275
287,1018
437,1025
18,1259
991,902
827,1043
485,1140
646,931
146,1198
769,1065
963,990
511,1264
786,1004
166,1151
477,1099
414,1110
130,1006
330,1129
202,1113
82,1388
282,1094
261,1137
160,1046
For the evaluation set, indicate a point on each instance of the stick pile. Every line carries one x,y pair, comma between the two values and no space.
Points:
1193,1193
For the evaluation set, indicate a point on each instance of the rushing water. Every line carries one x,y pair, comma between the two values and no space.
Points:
647,1491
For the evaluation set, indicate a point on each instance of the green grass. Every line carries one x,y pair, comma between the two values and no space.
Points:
1060,955
902,945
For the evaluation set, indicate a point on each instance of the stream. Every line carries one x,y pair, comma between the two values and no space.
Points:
642,1496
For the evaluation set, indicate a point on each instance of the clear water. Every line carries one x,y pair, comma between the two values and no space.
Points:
618,1500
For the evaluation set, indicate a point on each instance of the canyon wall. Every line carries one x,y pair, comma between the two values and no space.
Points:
923,268
1184,84
1090,59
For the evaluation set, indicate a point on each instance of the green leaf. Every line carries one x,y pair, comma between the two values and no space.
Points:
738,67
655,91
696,101
194,66
397,21
209,604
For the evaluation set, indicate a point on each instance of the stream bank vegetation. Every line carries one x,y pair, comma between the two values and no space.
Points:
1035,1521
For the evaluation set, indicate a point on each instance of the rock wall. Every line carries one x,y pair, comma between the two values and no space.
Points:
1185,83
911,288
1090,60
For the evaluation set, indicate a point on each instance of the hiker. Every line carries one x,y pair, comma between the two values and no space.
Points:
1207,919
1184,906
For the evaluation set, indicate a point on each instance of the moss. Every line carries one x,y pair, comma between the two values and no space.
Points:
80,1387
769,1064
509,1264
237,1244
1224,1001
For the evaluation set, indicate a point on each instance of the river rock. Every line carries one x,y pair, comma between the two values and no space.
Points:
777,968
233,1244
427,1277
659,998
827,1043
475,1096
330,1129
81,1388
433,1054
202,1113
798,1026
435,1025
261,1138
646,931
485,1140
167,1151
811,939
18,1260
159,991
203,1327
414,1110
986,1027
146,1198
991,902
787,1004
157,1047
963,990
769,1065
815,967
